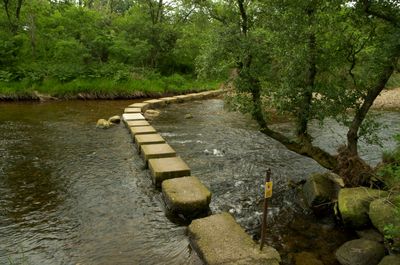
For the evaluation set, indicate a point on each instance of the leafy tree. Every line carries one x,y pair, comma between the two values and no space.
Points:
311,60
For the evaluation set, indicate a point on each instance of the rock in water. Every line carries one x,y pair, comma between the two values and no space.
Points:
115,119
353,205
188,116
103,124
360,252
151,114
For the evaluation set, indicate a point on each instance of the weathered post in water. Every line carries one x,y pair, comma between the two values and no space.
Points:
267,195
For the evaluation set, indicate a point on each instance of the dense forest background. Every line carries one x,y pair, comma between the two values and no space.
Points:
47,42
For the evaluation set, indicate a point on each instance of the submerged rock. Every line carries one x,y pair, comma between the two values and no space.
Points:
115,119
103,124
360,252
353,205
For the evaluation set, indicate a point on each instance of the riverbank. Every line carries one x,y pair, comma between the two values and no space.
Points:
88,89
388,100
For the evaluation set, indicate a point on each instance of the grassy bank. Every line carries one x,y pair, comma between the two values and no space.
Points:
102,88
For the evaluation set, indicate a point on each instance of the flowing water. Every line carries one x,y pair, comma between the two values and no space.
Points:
74,194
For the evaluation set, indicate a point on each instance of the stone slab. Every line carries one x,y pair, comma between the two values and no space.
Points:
155,103
143,139
183,98
133,117
186,196
142,130
150,151
169,100
167,168
218,239
132,110
137,123
143,106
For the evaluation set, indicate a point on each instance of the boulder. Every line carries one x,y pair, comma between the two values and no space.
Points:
384,214
151,114
320,190
188,116
360,252
353,205
103,124
390,260
115,119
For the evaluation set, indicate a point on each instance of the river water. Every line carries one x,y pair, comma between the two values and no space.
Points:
74,194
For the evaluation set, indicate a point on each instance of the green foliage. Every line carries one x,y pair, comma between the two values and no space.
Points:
62,41
390,171
392,232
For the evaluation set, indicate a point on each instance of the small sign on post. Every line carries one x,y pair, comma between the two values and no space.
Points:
267,195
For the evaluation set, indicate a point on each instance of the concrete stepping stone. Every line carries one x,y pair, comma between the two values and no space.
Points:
150,151
167,168
186,196
144,139
142,130
132,117
183,98
143,106
218,239
137,123
132,110
169,100
155,103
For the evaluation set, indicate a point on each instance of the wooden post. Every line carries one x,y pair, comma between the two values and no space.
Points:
267,195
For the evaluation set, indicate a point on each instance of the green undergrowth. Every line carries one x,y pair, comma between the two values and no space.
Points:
103,88
390,170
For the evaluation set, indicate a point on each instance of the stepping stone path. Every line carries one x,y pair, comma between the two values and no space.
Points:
157,151
167,168
137,123
133,110
143,139
186,196
143,106
143,130
218,239
155,103
133,117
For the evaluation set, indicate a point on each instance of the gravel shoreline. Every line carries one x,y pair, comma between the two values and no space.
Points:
388,100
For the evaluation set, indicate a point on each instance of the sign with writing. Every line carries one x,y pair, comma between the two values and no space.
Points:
268,189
